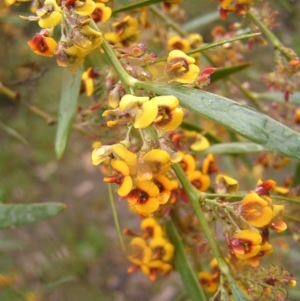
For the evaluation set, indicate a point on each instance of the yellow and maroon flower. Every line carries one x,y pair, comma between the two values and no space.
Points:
141,256
246,244
277,224
81,7
226,184
162,248
170,115
121,177
153,163
87,78
188,163
256,211
50,14
69,56
165,186
86,38
209,164
199,180
179,43
121,152
198,142
152,228
101,13
144,197
210,280
42,44
126,31
139,110
181,67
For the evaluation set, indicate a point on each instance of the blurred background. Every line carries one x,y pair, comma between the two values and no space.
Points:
76,255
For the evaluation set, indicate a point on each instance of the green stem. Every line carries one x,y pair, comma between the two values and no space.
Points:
115,216
269,35
194,196
125,78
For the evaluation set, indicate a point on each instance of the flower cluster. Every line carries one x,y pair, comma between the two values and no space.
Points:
151,252
258,212
141,176
78,37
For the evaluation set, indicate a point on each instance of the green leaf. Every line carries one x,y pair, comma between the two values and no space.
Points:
13,215
67,108
233,148
224,72
238,118
296,178
183,266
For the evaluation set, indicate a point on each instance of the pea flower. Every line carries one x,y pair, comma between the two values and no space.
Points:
121,177
246,244
42,44
181,68
81,7
101,13
256,210
86,38
50,14
144,197
170,115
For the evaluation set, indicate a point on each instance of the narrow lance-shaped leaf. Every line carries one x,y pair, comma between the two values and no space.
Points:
67,108
14,215
238,118
226,71
187,274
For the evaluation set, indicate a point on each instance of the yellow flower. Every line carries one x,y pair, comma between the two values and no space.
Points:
152,228
181,67
50,14
101,154
165,186
144,197
153,163
199,142
208,281
246,244
121,177
122,153
161,246
87,78
226,184
86,38
81,7
176,42
141,255
170,115
142,112
199,180
69,56
209,164
101,13
43,45
187,163
256,211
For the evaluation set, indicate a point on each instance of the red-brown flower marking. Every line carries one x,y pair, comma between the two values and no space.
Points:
246,244
43,45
